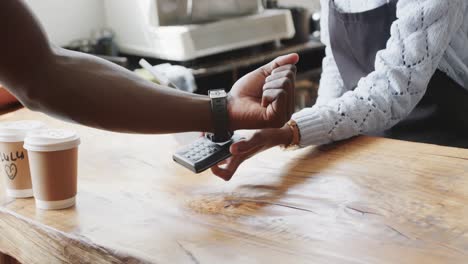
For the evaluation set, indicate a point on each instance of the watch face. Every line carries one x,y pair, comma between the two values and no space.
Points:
217,93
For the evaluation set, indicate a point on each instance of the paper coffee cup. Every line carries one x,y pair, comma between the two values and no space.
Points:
53,159
14,158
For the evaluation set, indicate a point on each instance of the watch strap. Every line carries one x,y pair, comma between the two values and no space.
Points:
220,116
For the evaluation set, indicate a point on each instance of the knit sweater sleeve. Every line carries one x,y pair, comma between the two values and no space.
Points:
331,83
419,39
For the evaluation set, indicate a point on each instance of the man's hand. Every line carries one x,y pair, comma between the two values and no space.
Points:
243,150
264,98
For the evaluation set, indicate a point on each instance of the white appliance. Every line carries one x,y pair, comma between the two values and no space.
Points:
156,28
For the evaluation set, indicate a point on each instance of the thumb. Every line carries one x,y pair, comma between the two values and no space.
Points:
292,58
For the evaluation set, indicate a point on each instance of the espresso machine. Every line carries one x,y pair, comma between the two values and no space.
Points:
181,30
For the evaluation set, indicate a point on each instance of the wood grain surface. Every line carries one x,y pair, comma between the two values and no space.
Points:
367,200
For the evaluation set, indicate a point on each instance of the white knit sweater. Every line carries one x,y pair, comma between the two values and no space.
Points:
402,70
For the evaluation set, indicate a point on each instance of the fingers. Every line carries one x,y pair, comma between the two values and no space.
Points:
227,172
278,62
253,144
271,94
272,91
224,162
280,74
277,113
241,151
289,67
288,71
284,78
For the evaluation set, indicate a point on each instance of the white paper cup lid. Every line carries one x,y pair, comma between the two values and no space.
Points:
51,140
16,131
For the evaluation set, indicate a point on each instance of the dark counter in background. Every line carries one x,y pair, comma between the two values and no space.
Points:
223,70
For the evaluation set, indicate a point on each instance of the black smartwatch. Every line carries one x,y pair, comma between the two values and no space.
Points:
220,115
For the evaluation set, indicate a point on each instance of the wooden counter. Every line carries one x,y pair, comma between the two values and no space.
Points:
367,200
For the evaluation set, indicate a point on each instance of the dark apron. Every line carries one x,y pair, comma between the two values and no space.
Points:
355,40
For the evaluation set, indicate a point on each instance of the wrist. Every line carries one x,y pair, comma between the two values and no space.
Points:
244,115
286,136
233,123
295,135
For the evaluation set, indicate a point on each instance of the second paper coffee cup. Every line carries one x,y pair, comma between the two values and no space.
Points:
53,159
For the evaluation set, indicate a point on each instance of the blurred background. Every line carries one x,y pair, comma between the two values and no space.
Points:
192,45
85,16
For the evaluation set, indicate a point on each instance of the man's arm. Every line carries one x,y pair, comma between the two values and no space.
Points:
91,91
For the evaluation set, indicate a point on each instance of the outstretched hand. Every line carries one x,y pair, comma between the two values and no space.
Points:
243,150
264,98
